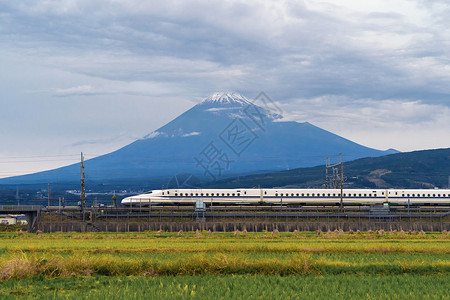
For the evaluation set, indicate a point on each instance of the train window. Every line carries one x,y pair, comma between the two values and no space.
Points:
360,195
265,193
233,194
201,194
228,194
365,195
334,195
382,193
344,195
163,193
297,194
276,194
192,194
238,194
281,194
292,195
312,194
207,194
329,194
323,195
307,195
439,195
245,193
303,195
396,193
428,195
196,194
223,194
168,192
176,194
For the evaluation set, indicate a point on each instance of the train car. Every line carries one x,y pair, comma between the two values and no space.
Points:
291,196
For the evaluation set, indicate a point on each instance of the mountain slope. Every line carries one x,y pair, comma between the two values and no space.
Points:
418,169
222,136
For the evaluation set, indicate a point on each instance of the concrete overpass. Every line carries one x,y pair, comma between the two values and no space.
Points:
30,211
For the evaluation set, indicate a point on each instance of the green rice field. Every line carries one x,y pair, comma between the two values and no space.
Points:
374,265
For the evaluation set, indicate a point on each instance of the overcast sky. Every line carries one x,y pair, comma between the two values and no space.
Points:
93,76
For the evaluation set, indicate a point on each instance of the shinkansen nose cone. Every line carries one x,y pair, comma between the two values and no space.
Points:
127,201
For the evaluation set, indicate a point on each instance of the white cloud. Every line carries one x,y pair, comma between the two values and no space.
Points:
82,90
193,133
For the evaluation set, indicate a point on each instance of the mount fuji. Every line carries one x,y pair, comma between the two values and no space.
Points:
224,135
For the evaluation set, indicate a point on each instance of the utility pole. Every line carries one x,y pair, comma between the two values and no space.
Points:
82,193
341,160
17,195
48,194
336,176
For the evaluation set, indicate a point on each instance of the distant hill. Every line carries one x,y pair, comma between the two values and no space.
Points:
418,169
225,135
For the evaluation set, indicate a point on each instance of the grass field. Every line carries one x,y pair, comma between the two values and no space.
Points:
255,265
231,287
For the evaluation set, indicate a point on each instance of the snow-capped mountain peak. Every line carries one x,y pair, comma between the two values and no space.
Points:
226,98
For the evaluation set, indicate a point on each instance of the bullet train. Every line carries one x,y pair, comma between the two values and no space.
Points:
291,196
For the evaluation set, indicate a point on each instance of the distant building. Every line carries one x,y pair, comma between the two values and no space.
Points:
13,220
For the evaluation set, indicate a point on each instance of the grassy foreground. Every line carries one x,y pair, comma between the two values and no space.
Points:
225,265
231,287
